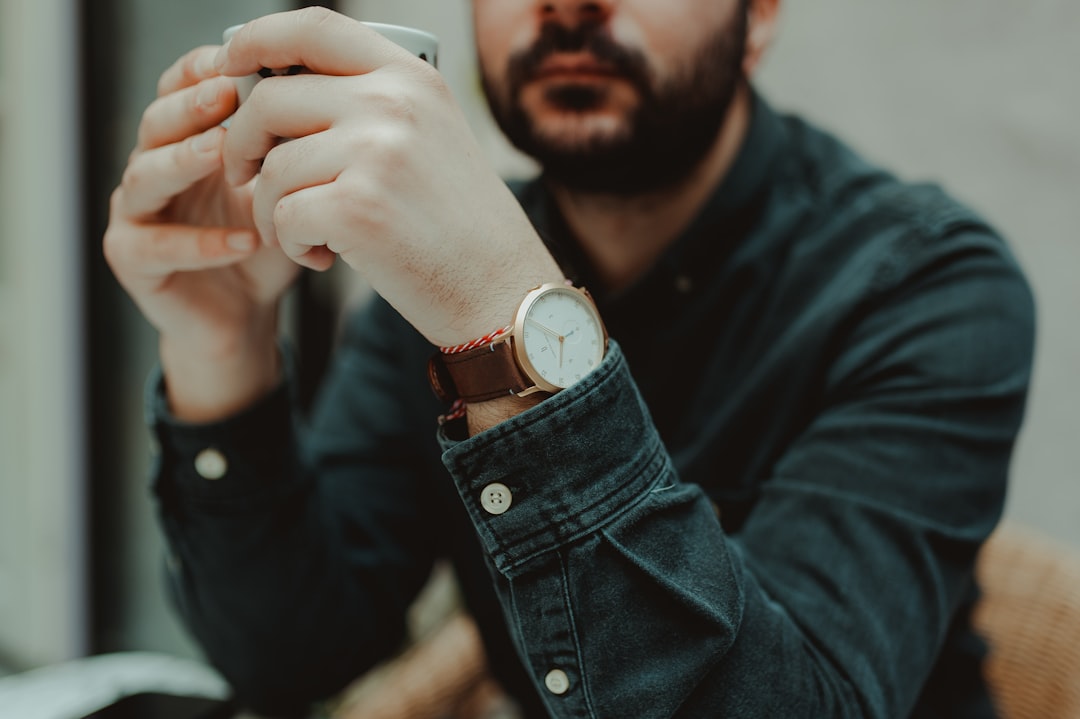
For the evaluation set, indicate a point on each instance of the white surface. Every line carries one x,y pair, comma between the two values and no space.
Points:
76,689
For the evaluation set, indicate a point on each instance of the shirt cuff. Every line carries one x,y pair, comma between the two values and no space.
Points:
559,470
248,456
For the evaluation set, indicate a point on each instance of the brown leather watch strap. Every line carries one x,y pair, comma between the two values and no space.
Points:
477,375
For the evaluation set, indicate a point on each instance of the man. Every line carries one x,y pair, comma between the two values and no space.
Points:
766,497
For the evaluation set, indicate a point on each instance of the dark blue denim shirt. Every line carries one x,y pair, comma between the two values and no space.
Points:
767,502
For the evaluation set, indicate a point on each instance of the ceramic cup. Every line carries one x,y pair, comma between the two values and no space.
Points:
422,44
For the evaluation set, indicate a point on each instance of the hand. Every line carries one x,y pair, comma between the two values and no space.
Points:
183,244
382,170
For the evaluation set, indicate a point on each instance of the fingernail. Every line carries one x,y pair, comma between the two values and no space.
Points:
208,94
240,241
206,141
222,55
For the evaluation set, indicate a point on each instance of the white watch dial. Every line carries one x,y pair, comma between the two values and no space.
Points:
562,336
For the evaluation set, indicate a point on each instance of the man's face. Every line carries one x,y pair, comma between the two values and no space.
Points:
611,96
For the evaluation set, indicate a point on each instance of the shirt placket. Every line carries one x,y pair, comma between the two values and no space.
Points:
542,611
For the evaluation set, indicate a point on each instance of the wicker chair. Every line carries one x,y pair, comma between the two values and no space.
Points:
1030,617
444,676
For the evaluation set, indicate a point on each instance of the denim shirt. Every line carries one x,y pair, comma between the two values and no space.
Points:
766,502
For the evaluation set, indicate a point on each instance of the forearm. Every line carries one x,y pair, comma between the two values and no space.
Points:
283,604
618,575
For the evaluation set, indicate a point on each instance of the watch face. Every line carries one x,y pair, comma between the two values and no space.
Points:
561,337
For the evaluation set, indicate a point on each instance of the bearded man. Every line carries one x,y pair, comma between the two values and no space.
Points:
746,474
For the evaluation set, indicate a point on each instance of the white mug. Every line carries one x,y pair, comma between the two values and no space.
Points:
422,44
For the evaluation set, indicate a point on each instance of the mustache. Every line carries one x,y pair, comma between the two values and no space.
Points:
588,38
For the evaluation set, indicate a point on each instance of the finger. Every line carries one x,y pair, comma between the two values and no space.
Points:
279,107
158,250
300,219
290,167
314,37
154,177
191,68
317,258
183,113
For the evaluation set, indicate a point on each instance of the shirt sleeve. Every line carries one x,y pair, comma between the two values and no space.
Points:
624,593
294,552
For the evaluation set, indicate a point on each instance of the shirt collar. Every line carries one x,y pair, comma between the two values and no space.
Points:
722,221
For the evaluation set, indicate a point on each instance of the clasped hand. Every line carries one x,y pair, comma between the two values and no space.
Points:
380,169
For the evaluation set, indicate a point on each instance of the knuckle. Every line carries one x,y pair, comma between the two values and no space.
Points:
132,178
356,145
171,78
384,150
315,16
430,78
155,245
362,206
112,247
193,66
122,247
180,73
211,243
147,136
284,212
142,134
275,166
203,97
393,103
116,200
271,175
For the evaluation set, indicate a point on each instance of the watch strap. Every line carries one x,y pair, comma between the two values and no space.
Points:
477,375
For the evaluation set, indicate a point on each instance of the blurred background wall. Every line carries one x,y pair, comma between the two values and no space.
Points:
43,475
979,95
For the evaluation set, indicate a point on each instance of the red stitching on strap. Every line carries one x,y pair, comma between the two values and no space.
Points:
478,342
457,411
459,407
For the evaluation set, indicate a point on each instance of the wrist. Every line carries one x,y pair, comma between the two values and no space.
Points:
482,416
556,339
206,385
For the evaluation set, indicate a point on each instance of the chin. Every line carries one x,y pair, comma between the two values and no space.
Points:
570,131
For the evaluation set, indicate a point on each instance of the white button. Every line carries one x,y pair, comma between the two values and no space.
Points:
211,464
496,498
557,682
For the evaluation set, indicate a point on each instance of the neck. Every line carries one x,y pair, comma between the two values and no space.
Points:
624,235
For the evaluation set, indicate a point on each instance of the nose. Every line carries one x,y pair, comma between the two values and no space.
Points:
572,13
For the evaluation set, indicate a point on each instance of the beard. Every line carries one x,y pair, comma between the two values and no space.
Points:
661,140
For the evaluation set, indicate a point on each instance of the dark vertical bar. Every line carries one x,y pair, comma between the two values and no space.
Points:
105,336
117,339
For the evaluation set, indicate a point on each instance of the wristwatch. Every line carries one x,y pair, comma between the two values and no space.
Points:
557,338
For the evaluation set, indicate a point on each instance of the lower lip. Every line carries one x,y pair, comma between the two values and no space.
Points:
576,76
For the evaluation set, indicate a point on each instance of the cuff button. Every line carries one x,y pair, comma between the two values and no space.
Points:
496,498
557,682
211,464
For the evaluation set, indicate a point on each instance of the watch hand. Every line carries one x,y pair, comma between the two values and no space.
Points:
562,341
550,331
